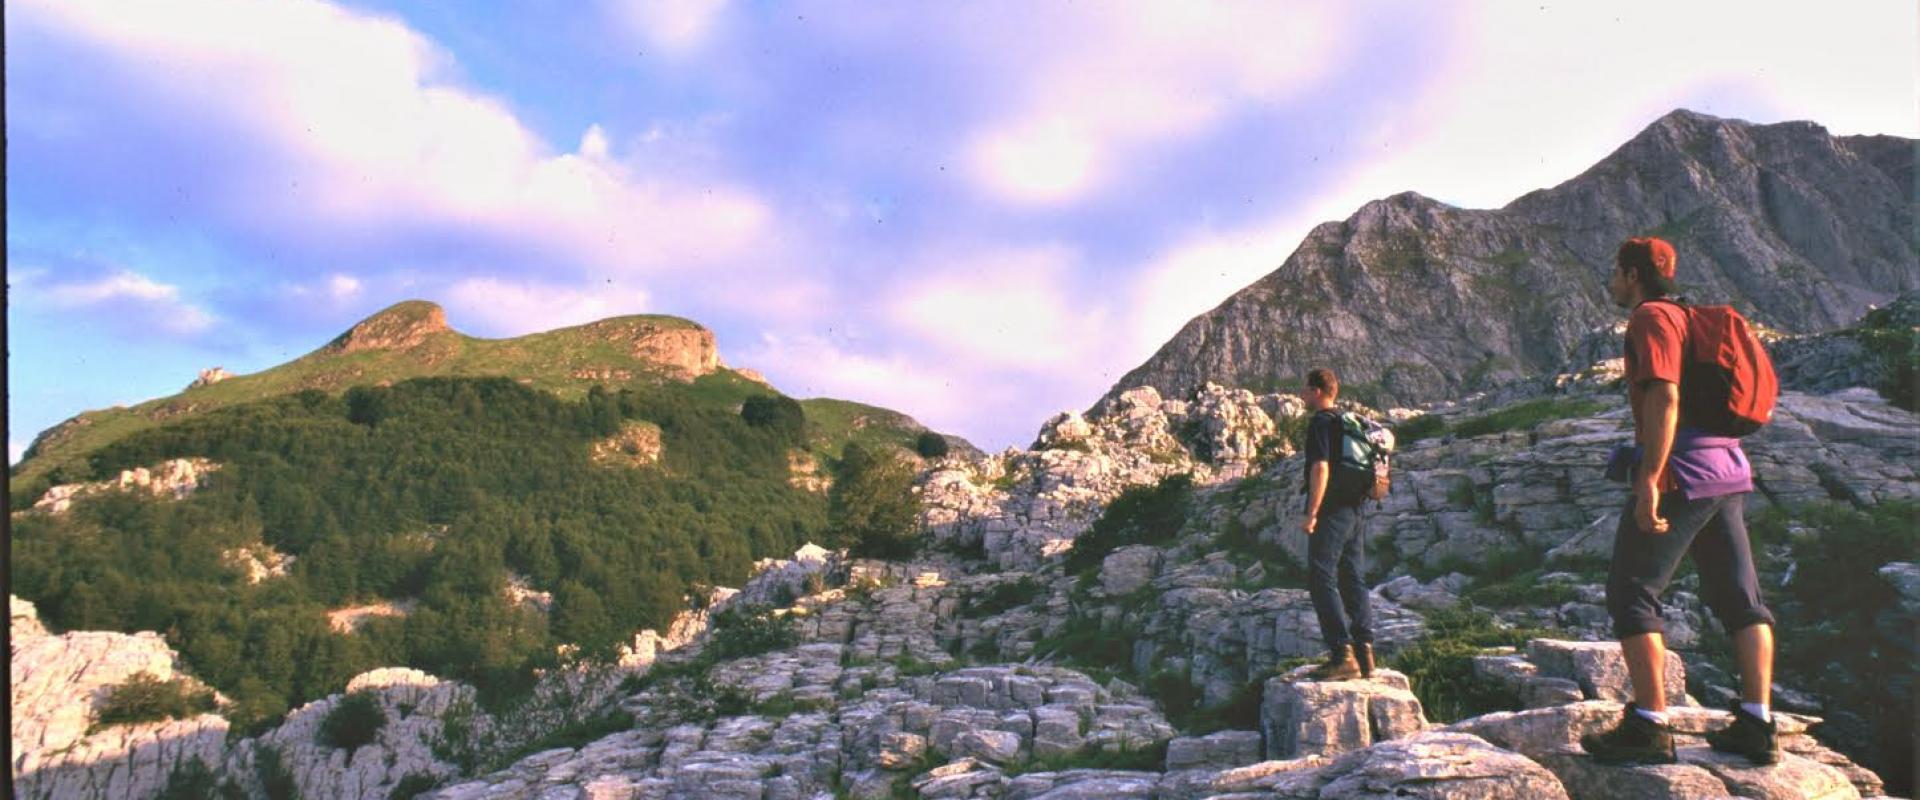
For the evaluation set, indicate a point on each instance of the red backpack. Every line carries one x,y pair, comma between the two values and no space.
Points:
1727,385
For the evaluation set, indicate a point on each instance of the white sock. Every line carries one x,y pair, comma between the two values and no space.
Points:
1658,717
1764,712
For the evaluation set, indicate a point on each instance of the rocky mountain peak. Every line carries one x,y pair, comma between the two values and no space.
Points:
400,326
1413,301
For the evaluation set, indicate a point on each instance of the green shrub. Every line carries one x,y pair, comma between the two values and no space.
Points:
1005,597
1140,515
775,412
146,698
355,721
931,445
872,506
1440,666
1083,643
192,780
412,786
270,767
748,630
1525,416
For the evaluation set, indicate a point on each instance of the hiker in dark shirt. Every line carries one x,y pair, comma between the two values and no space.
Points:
1336,542
1689,492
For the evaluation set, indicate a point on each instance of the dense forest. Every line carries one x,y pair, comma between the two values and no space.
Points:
432,491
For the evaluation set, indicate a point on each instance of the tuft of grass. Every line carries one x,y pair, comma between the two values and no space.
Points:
576,735
1525,416
1126,757
1440,667
1522,589
1425,426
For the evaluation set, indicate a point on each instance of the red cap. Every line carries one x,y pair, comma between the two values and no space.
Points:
1644,249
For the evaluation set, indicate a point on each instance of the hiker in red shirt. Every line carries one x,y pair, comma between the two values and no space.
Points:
1689,494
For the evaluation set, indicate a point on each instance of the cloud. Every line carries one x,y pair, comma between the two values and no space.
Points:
501,307
813,365
1000,308
382,149
341,287
676,27
1532,95
1112,84
130,301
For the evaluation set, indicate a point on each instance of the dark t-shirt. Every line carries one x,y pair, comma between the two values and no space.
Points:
1323,444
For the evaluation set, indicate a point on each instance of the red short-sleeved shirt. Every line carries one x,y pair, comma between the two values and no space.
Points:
1656,338
1656,341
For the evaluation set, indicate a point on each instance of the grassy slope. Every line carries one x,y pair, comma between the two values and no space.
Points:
547,361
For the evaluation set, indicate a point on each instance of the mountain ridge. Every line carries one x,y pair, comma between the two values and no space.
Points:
1414,300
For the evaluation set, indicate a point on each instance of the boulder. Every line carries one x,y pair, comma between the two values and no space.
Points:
1301,717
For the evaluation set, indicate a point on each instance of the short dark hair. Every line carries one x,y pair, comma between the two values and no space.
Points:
1323,379
1652,261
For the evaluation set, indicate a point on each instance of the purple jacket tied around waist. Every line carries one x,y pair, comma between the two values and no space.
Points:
1708,466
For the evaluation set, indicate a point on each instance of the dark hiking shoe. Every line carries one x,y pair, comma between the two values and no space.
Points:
1636,740
1340,666
1747,736
1363,655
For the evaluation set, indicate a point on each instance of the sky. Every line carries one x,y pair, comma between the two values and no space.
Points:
979,214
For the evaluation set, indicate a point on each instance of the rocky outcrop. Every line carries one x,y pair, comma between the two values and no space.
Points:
1411,300
1301,717
401,326
1024,507
59,685
681,349
1551,737
258,562
175,479
636,445
209,377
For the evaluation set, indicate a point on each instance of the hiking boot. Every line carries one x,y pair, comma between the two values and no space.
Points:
1636,740
1363,655
1340,666
1747,736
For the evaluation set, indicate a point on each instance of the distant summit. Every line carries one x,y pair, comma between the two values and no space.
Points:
402,325
1412,300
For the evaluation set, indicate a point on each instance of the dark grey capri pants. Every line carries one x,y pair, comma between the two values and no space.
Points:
1714,530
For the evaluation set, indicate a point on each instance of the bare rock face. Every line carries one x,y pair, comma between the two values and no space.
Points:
684,350
174,478
1411,300
58,685
399,327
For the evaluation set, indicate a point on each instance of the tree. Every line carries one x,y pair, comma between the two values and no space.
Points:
775,412
931,445
872,505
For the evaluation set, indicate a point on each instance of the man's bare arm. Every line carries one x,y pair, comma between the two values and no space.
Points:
1658,418
1316,491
